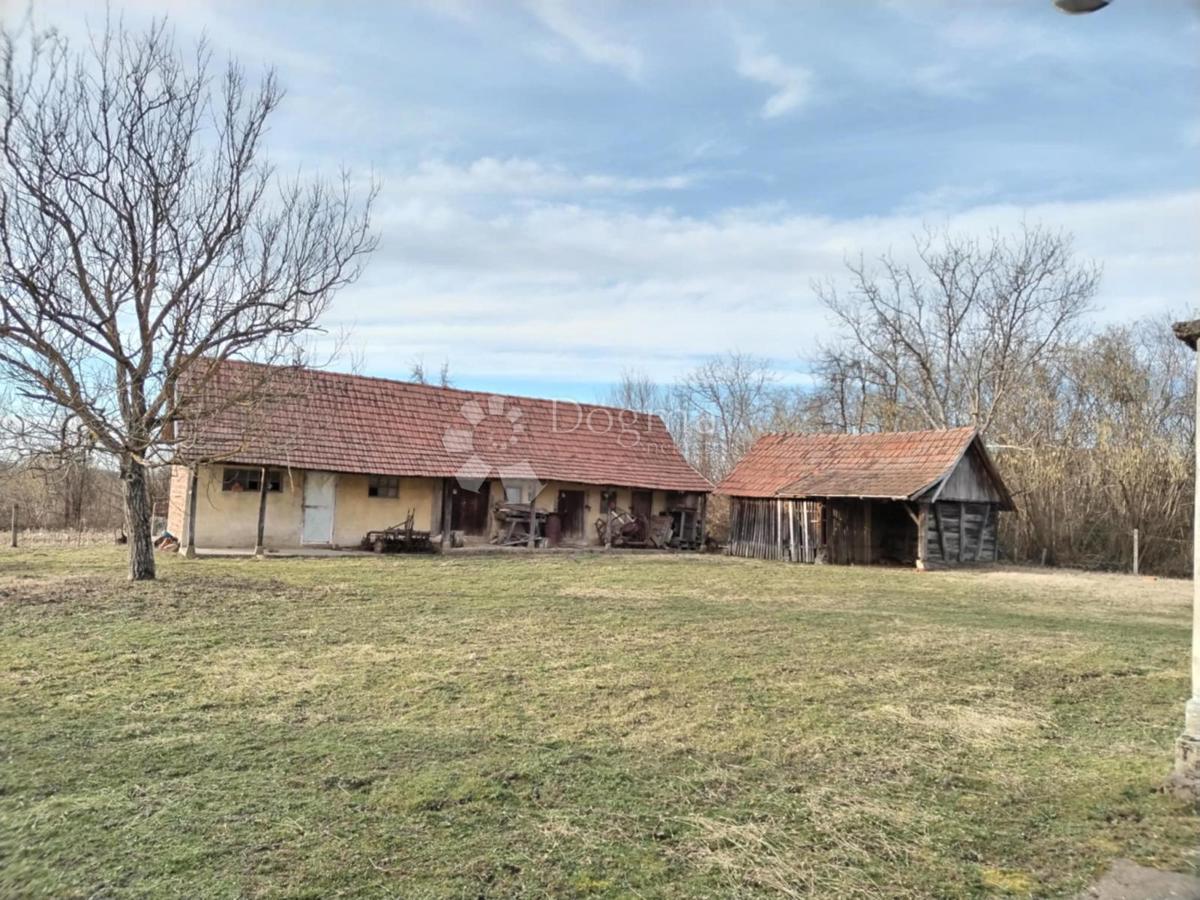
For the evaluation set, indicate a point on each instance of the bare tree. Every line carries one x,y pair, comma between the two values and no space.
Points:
58,480
1092,431
418,375
729,400
848,394
636,390
946,341
68,467
1100,444
145,239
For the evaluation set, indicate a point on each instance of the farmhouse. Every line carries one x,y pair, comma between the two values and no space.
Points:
931,498
329,458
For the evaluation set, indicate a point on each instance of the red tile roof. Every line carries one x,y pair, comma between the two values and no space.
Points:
352,423
891,465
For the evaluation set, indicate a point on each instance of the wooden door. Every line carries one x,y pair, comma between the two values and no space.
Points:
570,512
469,509
641,504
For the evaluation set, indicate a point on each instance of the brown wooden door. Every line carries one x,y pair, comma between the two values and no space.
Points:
570,511
469,509
641,504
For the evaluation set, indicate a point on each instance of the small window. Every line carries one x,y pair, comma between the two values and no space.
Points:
239,479
383,486
519,492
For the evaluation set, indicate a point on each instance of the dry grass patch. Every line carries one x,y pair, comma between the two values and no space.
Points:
580,726
989,724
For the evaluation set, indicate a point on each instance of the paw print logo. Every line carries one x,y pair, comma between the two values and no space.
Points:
491,440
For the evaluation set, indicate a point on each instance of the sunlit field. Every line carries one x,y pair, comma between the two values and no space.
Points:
597,725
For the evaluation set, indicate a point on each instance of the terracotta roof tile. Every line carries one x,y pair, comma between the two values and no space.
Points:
891,465
351,423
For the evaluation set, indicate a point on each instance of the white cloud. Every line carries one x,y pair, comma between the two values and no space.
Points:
1001,36
791,82
562,292
464,12
943,79
190,19
588,40
949,198
527,177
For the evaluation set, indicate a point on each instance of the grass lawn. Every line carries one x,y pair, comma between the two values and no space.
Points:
591,726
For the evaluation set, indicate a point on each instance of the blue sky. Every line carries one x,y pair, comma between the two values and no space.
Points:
572,189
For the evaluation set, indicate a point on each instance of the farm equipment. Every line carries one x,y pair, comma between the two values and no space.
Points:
624,529
513,520
401,538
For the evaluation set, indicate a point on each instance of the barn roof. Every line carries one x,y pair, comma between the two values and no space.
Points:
900,465
351,423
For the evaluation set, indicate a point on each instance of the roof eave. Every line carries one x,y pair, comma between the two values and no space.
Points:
1006,503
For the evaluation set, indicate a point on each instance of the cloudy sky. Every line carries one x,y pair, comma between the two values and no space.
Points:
571,189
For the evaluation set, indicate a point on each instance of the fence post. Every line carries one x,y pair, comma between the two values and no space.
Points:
1135,551
260,549
532,519
14,524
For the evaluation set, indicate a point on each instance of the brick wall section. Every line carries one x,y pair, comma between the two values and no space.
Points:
177,500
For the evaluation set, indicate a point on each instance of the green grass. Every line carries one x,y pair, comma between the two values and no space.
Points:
591,726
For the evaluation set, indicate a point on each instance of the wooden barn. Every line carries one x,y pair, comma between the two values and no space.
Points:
924,498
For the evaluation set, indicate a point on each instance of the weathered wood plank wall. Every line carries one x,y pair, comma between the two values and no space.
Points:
962,532
769,528
862,532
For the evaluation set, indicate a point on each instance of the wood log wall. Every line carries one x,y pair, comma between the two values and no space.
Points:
862,531
961,533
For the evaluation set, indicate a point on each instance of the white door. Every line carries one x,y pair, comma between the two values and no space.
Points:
318,507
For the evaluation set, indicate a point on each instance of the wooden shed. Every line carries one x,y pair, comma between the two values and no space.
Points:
924,498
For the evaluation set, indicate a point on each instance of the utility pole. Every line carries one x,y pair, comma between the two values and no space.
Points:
1186,779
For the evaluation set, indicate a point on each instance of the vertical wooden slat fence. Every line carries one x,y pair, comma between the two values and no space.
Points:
770,528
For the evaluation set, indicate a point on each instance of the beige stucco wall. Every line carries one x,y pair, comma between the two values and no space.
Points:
229,519
355,513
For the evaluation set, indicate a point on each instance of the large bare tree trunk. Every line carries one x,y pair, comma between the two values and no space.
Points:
146,242
136,482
